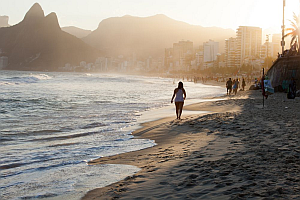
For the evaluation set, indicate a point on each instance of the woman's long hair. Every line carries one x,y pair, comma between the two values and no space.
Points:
180,85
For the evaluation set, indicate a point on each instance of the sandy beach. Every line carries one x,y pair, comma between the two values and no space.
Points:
238,151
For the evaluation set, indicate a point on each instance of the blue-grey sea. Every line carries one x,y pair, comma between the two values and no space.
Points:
52,124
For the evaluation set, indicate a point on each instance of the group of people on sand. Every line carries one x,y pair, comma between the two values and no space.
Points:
180,94
234,85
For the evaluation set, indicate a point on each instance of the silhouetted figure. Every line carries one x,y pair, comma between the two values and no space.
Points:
179,99
229,86
292,89
263,87
235,86
243,84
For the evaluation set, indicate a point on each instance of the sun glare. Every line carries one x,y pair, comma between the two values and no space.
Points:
292,6
270,13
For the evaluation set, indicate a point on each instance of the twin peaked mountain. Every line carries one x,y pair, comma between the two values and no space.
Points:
38,43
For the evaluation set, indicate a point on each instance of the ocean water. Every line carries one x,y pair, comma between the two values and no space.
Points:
52,124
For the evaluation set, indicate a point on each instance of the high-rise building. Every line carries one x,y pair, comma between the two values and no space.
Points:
276,44
249,40
180,56
276,38
181,48
231,58
168,61
276,41
108,63
266,50
272,48
210,51
199,58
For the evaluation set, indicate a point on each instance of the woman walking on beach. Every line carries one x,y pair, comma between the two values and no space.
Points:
179,99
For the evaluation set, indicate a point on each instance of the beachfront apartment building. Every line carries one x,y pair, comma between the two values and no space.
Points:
181,48
244,47
266,50
276,44
180,56
249,41
199,59
210,51
231,54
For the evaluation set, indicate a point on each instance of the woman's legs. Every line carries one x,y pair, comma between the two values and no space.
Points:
179,106
180,109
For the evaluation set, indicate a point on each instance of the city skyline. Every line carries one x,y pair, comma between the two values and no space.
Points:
230,14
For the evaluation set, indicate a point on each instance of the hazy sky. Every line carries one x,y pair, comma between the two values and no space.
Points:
87,14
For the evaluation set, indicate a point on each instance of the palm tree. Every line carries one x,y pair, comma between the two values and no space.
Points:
295,30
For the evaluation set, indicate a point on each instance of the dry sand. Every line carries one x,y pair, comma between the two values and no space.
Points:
239,151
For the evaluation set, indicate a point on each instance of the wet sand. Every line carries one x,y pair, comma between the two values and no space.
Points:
238,151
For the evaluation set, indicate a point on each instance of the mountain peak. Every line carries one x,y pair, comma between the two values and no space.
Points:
153,16
51,20
160,15
127,16
35,12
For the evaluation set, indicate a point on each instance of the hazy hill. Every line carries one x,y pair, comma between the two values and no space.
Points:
38,43
4,21
150,35
78,32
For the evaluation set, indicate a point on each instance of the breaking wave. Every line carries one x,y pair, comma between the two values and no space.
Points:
32,78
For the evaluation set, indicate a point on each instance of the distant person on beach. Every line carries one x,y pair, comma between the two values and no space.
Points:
292,89
179,99
235,86
256,83
263,87
229,86
243,84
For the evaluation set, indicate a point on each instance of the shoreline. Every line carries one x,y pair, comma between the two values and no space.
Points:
249,152
95,145
156,130
164,112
